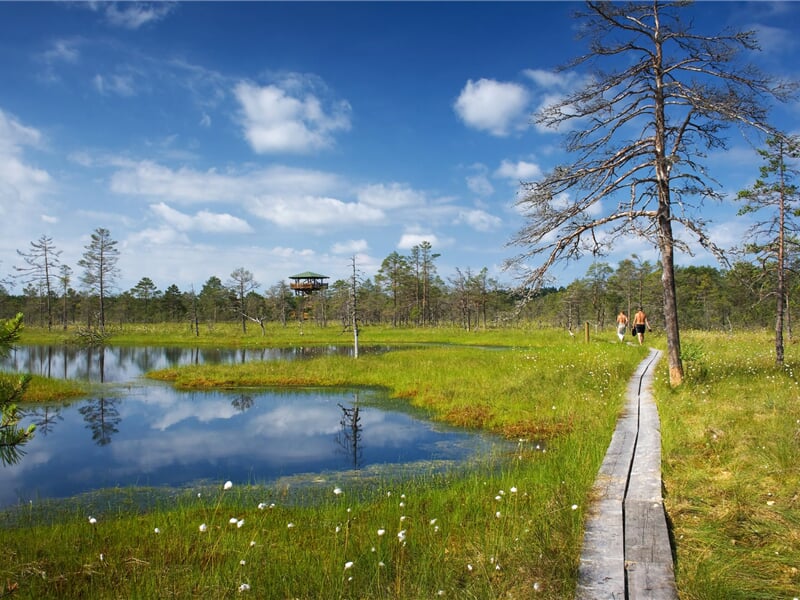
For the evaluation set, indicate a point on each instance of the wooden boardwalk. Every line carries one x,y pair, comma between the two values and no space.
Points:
626,547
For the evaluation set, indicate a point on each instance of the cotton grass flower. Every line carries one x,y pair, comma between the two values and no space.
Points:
381,532
240,523
244,588
338,491
203,527
156,530
228,485
402,535
261,506
348,565
233,520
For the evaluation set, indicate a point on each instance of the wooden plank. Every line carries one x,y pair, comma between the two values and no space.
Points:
601,573
626,549
651,581
646,534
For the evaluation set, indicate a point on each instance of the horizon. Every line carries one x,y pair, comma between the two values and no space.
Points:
290,137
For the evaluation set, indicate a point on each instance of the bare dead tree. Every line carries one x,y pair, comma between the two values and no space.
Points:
638,133
41,262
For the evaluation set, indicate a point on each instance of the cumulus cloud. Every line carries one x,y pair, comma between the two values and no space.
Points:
479,220
289,116
493,106
19,182
410,239
188,186
316,212
393,195
161,236
204,221
350,247
518,171
480,185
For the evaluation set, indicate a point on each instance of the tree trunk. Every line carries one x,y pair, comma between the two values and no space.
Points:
664,222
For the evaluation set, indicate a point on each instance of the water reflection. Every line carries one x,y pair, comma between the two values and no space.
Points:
150,434
115,364
349,437
102,417
159,437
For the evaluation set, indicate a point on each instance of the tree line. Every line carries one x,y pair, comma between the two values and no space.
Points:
406,291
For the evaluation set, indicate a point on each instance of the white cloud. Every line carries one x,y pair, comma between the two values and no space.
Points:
480,185
492,106
19,182
409,240
350,247
565,80
479,220
187,186
62,51
133,15
393,195
478,182
518,171
316,212
162,236
552,88
121,85
204,221
288,117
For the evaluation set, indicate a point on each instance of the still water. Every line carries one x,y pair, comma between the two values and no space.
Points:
138,432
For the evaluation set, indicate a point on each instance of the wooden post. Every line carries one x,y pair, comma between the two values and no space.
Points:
586,332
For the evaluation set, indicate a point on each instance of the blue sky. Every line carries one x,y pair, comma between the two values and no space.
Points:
285,137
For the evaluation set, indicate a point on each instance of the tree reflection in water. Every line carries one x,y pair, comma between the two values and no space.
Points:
349,436
102,417
45,418
242,402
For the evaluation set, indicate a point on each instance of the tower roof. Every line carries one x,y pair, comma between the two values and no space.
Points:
308,275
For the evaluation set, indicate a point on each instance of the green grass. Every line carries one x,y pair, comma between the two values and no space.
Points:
731,450
294,334
731,438
468,534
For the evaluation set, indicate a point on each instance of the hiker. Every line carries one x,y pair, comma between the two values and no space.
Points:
639,323
622,325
